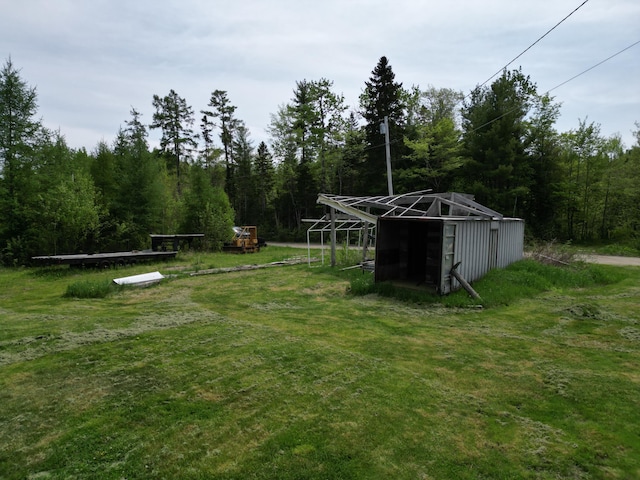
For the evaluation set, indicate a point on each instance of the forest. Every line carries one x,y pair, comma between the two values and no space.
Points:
498,142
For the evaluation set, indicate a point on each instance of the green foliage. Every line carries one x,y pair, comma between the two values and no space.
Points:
174,117
501,146
90,289
19,132
382,97
544,206
521,280
206,209
498,170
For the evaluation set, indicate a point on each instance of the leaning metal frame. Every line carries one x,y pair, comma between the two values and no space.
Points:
344,223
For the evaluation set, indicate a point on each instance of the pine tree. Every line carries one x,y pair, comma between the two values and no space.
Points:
264,181
382,98
19,133
244,200
224,112
175,118
498,170
141,190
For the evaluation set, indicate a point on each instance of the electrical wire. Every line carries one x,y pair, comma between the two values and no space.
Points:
560,85
594,66
534,43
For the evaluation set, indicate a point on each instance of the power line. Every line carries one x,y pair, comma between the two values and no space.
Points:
594,66
560,85
534,43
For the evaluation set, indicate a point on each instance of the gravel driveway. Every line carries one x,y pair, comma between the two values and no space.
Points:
612,260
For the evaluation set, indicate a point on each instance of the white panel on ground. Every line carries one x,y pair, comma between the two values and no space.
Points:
143,279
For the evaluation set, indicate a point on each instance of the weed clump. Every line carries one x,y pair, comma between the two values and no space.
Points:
90,289
551,253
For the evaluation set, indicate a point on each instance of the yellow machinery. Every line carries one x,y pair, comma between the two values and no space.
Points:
245,240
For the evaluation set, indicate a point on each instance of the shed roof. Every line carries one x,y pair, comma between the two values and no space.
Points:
415,204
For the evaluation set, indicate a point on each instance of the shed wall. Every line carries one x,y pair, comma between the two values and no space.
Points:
511,242
471,250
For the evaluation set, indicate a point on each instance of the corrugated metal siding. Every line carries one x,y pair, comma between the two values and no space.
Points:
471,249
479,244
510,242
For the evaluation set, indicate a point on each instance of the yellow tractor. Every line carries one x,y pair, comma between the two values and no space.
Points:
245,240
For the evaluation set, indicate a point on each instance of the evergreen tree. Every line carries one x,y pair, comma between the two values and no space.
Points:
382,97
264,173
175,118
224,112
351,157
141,195
303,119
244,201
328,130
19,132
584,163
498,170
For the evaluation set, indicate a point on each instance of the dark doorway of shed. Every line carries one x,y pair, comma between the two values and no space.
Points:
409,252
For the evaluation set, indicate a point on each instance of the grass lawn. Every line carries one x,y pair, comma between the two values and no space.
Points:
283,373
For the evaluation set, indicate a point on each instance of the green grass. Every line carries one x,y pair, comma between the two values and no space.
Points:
499,287
285,373
90,288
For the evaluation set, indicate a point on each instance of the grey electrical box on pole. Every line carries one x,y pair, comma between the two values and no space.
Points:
385,127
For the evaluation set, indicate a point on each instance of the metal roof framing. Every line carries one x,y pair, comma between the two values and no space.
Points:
415,204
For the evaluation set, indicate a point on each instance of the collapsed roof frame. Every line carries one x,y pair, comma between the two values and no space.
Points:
421,203
415,204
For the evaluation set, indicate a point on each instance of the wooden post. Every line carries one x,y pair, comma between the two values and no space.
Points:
332,212
365,241
463,282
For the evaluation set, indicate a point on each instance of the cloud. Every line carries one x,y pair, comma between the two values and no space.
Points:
93,61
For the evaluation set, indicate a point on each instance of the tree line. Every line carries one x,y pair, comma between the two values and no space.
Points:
499,142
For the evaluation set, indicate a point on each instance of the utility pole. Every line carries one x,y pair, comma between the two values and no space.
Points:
385,126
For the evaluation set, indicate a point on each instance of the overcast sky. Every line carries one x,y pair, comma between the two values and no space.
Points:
92,60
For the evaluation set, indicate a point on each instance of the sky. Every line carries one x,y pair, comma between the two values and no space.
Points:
92,61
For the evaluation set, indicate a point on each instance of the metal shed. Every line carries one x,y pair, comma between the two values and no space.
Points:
421,251
421,236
